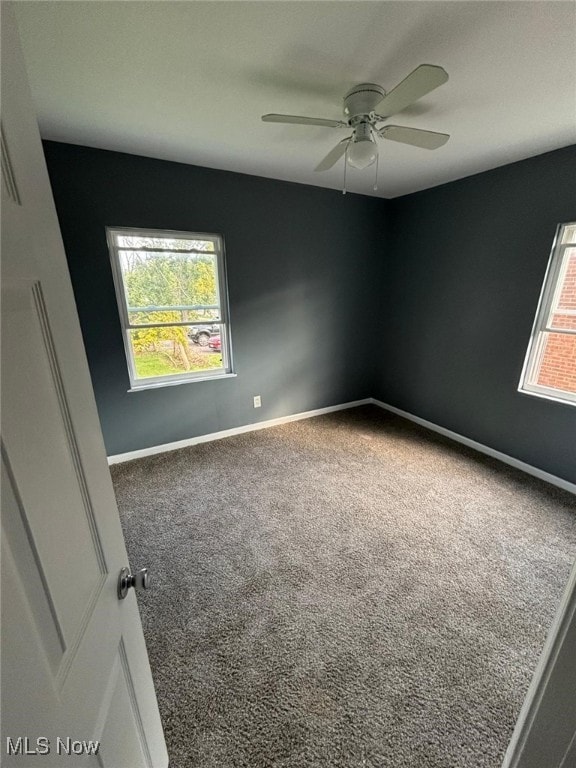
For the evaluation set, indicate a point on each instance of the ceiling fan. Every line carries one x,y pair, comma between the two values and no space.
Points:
368,104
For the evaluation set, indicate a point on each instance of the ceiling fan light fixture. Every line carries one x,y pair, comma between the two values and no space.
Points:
365,106
362,153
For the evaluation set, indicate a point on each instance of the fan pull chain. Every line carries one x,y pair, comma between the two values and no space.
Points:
345,168
373,135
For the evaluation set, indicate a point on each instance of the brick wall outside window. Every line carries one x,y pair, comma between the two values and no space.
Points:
558,360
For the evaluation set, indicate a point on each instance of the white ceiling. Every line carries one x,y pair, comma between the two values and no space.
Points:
188,81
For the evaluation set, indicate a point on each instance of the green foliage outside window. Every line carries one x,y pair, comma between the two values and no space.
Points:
169,280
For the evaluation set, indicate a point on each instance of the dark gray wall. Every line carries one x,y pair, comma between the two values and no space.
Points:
425,302
464,265
300,268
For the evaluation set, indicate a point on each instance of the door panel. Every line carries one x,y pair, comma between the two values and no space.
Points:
57,512
16,531
121,707
74,663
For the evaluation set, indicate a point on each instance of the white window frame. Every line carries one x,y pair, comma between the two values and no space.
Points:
226,370
553,280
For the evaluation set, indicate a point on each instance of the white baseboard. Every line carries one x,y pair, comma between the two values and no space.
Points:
120,457
528,468
521,465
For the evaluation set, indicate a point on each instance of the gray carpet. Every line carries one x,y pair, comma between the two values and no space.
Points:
348,591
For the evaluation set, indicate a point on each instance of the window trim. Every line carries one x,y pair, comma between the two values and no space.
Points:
154,382
548,294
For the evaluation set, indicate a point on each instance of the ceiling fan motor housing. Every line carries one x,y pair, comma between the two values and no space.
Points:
362,99
363,132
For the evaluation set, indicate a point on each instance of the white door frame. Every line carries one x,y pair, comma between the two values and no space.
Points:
545,732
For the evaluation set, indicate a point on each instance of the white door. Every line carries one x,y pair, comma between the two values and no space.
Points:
74,663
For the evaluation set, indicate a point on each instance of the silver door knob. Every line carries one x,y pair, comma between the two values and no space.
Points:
139,580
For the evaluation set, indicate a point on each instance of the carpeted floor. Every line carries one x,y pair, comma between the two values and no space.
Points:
348,591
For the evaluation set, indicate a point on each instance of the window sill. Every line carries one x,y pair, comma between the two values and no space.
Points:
162,384
548,396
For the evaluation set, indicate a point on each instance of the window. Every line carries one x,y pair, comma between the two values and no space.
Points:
550,367
172,297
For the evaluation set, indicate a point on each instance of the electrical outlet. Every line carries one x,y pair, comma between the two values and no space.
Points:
257,401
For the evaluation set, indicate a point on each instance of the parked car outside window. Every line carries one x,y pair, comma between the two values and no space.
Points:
215,343
202,334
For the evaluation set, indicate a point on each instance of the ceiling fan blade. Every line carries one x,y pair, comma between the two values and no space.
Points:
421,81
302,120
333,156
414,136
